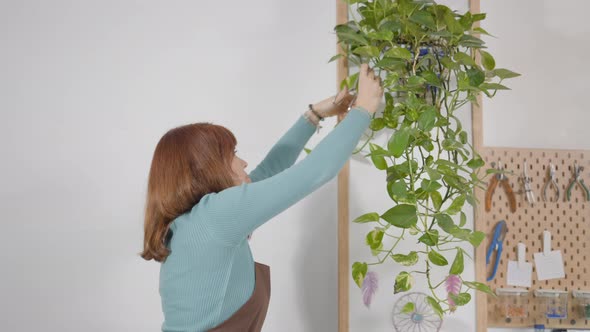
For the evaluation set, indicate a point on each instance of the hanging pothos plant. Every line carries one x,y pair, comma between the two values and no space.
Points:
425,54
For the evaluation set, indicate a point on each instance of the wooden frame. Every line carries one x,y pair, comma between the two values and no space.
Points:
343,196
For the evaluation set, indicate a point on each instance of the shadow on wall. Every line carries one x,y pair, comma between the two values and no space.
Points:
317,261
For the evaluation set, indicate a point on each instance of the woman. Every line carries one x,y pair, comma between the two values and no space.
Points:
201,206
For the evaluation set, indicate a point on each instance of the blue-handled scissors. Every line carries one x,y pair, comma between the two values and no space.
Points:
499,234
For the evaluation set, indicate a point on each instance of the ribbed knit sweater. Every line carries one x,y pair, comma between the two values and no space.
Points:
209,273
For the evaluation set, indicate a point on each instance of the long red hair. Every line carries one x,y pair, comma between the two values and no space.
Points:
189,162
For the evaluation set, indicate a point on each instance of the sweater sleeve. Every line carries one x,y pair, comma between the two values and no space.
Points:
285,151
231,214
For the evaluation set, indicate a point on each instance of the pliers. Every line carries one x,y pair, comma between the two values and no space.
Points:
551,182
499,234
503,180
578,180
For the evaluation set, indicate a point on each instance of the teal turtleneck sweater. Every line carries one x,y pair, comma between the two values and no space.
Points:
209,274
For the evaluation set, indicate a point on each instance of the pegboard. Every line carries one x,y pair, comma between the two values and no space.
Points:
568,222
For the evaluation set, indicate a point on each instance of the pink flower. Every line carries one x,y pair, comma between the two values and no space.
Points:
370,285
453,286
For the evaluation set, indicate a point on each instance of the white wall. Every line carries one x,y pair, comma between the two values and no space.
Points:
88,88
545,41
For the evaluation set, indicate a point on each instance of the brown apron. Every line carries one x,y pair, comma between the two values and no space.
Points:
250,316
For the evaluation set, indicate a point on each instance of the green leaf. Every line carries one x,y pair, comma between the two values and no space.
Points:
430,186
335,57
415,81
450,64
465,59
475,163
435,306
430,238
445,222
476,77
493,86
476,238
457,266
432,173
487,60
421,194
423,18
399,142
463,219
437,259
370,51
461,298
374,238
308,151
402,216
505,73
409,308
431,78
391,25
482,31
350,81
377,250
471,41
397,190
377,156
427,144
359,270
386,35
398,52
403,282
377,124
406,260
436,198
351,38
427,119
452,25
404,168
456,206
479,17
463,137
450,144
390,63
479,286
471,200
367,217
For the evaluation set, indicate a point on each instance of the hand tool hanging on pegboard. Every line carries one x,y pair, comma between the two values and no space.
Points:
526,182
551,182
579,181
500,178
497,244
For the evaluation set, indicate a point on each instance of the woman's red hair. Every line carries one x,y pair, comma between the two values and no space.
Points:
189,162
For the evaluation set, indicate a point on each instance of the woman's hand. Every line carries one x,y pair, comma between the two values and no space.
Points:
330,106
370,90
370,93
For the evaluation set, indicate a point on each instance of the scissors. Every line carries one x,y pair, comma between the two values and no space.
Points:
351,92
499,234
